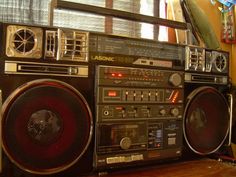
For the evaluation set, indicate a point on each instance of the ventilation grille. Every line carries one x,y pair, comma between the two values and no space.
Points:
51,44
220,61
72,45
24,42
195,59
217,61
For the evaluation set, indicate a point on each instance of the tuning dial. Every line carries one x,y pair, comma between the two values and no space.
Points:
175,79
174,111
125,143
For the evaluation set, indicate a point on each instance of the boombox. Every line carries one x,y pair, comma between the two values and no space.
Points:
207,115
75,102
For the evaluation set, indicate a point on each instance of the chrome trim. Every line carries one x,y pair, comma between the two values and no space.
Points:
14,36
219,61
34,68
231,100
1,132
72,45
50,44
203,78
195,59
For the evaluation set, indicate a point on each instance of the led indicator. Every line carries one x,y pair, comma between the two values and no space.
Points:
175,96
116,74
119,108
112,93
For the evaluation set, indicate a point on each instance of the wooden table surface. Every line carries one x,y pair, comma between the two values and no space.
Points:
193,168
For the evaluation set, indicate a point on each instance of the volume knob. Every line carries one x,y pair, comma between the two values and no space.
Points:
125,143
175,79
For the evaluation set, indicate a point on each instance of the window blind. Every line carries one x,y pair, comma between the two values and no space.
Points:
36,12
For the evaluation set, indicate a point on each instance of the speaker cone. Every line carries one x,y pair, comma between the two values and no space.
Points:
206,120
46,126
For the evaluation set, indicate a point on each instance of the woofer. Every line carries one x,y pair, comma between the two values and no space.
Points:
46,126
206,120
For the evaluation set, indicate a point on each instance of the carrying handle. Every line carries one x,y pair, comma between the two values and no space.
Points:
61,4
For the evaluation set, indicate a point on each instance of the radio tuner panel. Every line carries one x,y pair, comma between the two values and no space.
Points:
135,52
138,115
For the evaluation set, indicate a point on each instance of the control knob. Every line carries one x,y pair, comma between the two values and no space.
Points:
162,112
125,143
175,79
174,111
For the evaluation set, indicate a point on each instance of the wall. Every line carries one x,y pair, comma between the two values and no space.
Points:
215,18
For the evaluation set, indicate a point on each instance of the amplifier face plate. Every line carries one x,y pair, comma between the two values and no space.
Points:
138,115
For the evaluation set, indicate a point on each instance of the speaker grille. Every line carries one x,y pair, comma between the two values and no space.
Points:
47,126
220,62
195,59
206,120
73,45
24,41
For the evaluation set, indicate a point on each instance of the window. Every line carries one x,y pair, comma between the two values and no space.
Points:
147,30
24,11
163,30
36,12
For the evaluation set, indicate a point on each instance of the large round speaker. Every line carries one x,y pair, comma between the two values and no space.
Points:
46,126
206,120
